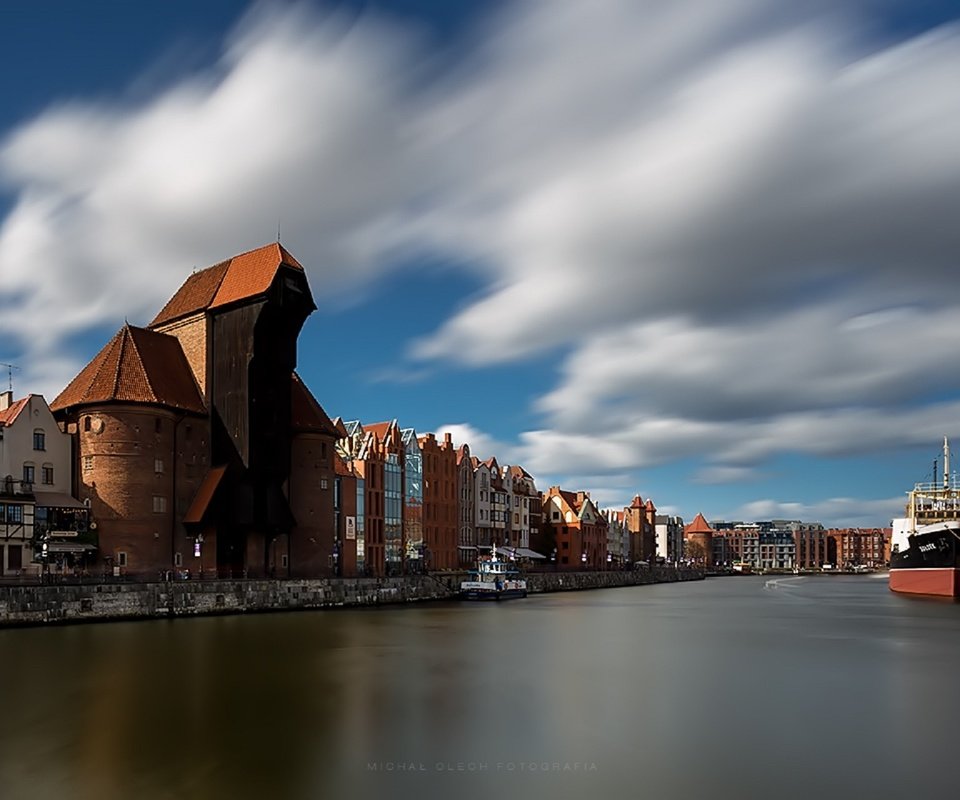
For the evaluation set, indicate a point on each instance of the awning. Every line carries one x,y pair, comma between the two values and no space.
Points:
518,552
69,547
198,508
56,500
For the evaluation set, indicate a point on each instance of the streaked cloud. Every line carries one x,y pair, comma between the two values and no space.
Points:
735,219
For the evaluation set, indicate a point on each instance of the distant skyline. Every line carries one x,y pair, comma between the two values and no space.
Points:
703,252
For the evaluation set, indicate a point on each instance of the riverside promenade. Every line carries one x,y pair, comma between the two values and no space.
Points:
59,603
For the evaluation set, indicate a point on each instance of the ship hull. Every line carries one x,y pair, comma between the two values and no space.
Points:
929,566
932,581
492,594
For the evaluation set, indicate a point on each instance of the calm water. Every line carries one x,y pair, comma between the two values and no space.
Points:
729,688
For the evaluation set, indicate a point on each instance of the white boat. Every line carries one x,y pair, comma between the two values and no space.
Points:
493,579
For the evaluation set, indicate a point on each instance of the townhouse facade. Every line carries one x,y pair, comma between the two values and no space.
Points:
440,495
579,530
669,538
41,522
467,513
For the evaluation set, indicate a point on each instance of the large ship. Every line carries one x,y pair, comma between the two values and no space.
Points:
925,548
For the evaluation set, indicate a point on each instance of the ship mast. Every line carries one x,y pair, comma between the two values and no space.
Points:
946,463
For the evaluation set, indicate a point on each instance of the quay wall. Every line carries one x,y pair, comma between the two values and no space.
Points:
40,604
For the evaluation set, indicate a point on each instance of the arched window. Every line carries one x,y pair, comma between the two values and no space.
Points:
86,422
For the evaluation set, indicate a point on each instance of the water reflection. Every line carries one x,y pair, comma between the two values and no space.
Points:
731,688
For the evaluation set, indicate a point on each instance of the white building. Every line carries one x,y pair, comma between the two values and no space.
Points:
669,532
35,479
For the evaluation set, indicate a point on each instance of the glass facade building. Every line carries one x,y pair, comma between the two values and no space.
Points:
361,542
393,514
413,502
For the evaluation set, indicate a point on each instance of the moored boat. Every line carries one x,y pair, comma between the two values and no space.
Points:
493,579
925,548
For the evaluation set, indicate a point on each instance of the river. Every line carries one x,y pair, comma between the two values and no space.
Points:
743,687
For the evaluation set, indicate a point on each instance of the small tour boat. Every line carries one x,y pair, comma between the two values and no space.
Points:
493,579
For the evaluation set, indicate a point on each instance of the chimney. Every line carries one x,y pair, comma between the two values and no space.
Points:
448,437
6,400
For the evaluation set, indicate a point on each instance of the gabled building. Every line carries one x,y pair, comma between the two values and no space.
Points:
669,538
467,510
579,529
483,502
414,542
345,517
500,501
388,439
618,539
440,507
523,490
40,521
187,432
363,456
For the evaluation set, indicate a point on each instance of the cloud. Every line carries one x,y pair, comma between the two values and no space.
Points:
734,219
839,512
482,445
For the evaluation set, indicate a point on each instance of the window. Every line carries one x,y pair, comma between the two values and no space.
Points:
323,483
284,561
159,504
86,423
121,558
188,432
39,439
556,515
158,466
87,462
29,473
177,560
46,475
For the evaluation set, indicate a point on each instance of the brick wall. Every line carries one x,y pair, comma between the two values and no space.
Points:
192,334
139,484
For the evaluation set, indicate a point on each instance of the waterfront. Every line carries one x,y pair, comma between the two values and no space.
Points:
731,687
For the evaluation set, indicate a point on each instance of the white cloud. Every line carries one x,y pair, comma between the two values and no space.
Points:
482,445
839,512
738,219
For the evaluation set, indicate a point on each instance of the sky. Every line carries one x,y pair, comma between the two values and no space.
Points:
701,252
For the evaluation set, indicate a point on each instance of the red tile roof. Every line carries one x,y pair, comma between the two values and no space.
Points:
8,415
699,525
244,276
136,366
306,414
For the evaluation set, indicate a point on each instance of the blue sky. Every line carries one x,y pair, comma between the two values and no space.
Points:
702,252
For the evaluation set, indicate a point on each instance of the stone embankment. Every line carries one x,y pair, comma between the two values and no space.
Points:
62,603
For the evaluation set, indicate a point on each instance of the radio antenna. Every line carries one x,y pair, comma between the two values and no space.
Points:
10,369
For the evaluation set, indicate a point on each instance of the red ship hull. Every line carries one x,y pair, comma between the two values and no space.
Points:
937,581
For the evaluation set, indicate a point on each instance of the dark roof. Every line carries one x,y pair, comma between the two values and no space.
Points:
244,276
136,366
306,414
